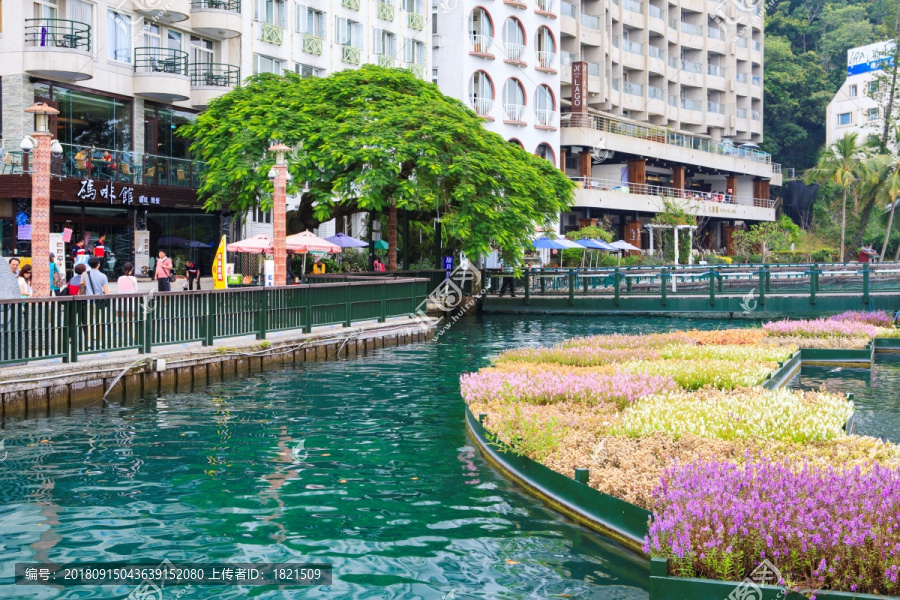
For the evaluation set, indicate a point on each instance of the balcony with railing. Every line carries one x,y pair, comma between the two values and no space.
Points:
633,47
673,100
632,89
415,21
685,65
757,46
741,42
312,44
515,53
546,61
271,34
161,74
593,69
715,107
590,21
514,114
691,29
481,45
633,6
218,19
546,8
165,13
741,77
112,179
756,81
567,10
58,49
545,119
351,55
615,83
714,32
655,93
211,80
351,4
386,11
655,11
715,70
387,61
417,70
630,188
689,104
755,115
654,52
482,106
741,113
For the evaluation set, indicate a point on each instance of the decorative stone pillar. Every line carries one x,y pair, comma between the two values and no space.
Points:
41,141
279,213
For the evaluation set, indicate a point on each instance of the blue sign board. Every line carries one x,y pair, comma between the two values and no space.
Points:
866,67
448,263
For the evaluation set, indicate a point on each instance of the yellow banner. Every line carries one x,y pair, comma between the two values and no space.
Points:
218,273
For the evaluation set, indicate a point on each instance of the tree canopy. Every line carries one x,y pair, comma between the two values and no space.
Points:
377,140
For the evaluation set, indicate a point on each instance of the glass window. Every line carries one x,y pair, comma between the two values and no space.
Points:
201,50
873,114
412,6
152,38
851,91
270,11
384,42
307,71
87,119
173,40
161,124
184,236
844,119
81,11
266,64
513,32
118,36
310,21
480,24
543,99
545,152
45,9
873,87
513,93
480,86
348,33
413,51
544,41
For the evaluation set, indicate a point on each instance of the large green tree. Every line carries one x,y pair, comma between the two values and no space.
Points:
376,140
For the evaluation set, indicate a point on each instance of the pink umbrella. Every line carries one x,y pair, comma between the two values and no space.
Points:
306,241
254,245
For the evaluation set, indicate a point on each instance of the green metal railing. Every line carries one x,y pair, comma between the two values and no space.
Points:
160,60
435,277
214,74
232,5
58,33
755,282
70,327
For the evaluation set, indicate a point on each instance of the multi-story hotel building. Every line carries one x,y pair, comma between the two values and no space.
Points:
665,99
857,105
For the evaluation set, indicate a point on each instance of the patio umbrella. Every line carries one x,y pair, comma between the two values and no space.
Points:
567,244
590,244
545,243
307,241
623,245
605,246
381,245
345,241
254,245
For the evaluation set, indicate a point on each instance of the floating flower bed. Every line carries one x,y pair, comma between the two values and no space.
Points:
677,423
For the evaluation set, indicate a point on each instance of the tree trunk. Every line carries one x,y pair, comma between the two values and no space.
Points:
887,233
392,237
843,223
864,221
888,116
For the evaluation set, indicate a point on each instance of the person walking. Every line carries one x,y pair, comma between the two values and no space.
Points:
79,253
163,272
14,266
75,282
95,283
57,278
100,251
127,283
193,273
25,282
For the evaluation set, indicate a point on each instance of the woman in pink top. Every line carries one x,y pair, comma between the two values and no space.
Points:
163,268
127,282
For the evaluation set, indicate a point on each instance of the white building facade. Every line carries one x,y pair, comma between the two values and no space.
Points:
856,106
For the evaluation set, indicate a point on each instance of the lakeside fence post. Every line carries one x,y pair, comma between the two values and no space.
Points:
719,280
210,332
71,332
527,287
307,310
762,285
616,282
348,317
712,287
571,287
663,274
866,284
543,281
147,330
263,314
584,282
383,316
768,279
813,283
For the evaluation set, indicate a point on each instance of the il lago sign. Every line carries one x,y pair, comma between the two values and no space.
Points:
869,58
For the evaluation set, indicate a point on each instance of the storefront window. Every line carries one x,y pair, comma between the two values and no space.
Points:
160,125
184,237
88,120
90,223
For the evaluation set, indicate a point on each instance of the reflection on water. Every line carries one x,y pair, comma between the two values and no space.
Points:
361,463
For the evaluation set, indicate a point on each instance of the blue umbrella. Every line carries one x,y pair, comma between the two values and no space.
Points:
601,245
345,241
590,244
546,243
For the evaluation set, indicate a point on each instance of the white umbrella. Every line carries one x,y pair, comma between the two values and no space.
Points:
623,245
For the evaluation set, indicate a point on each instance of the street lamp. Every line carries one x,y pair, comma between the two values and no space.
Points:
279,176
41,142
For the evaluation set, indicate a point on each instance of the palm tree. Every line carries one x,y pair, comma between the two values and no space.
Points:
841,163
884,183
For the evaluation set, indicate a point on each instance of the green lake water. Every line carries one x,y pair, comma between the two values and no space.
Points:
382,483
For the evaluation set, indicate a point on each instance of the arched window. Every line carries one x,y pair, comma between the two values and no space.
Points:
544,106
546,152
517,142
481,93
481,29
513,99
545,47
514,39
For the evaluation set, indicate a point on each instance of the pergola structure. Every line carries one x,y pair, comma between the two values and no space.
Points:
690,228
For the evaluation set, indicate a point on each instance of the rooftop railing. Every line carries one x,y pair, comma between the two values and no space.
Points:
615,185
214,74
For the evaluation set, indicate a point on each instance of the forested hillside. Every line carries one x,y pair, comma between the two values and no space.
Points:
806,62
